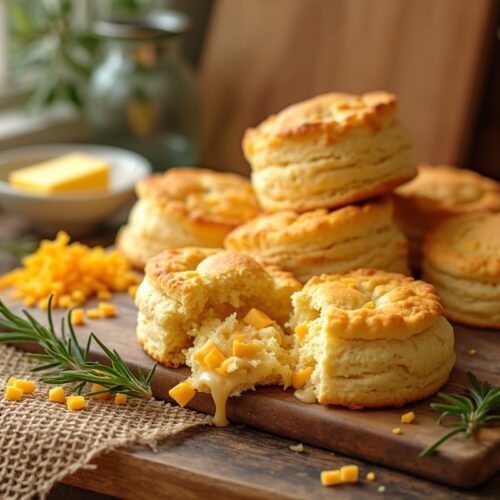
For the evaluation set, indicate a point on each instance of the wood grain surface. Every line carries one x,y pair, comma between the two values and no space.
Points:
239,462
261,56
363,434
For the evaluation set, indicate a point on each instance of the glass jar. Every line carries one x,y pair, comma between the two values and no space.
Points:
142,94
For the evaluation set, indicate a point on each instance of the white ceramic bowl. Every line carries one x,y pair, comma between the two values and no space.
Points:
79,212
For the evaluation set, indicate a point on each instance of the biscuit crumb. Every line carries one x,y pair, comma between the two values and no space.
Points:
381,489
397,431
297,448
472,352
370,476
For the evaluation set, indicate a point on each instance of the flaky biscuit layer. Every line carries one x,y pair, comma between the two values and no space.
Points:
462,260
319,241
185,207
466,246
385,372
329,151
465,300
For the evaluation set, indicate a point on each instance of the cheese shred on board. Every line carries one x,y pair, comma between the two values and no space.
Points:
73,273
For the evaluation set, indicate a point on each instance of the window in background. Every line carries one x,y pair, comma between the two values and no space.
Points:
47,51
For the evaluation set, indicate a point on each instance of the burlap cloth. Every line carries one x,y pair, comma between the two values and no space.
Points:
42,442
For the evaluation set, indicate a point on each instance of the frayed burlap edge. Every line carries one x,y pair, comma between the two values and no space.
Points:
42,442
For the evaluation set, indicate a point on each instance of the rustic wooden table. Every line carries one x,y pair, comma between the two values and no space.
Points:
234,462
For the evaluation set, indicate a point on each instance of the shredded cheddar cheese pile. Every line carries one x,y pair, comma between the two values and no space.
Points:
72,272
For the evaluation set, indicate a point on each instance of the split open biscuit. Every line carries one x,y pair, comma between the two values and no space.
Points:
320,241
462,260
184,288
370,338
436,194
185,207
234,355
329,151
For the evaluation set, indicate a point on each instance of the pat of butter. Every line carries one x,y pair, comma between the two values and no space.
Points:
72,172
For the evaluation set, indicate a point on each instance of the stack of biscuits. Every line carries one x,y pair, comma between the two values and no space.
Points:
322,170
301,277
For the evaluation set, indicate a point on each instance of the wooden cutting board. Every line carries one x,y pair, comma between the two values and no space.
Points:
365,434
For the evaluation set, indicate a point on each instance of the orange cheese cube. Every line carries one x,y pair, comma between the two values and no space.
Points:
408,418
182,393
29,301
78,296
245,349
107,310
43,304
238,336
13,393
103,395
121,399
75,403
330,477
300,377
27,386
301,330
223,368
77,317
93,313
257,318
56,395
214,358
201,353
65,301
11,381
104,295
349,473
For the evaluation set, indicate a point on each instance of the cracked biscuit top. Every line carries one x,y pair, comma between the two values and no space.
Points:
202,195
368,304
330,116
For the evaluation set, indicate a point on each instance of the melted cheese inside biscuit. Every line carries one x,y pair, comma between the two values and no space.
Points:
230,356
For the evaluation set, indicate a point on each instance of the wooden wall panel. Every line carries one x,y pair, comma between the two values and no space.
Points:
262,55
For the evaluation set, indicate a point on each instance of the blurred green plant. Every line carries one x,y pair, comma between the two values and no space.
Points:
52,45
18,248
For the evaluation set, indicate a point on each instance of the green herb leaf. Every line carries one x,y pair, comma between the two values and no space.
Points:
478,407
64,360
18,248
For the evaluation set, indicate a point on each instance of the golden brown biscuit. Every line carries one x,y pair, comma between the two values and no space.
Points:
185,207
462,260
320,242
185,287
437,193
371,339
329,151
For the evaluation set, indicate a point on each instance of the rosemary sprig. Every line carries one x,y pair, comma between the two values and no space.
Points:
478,407
64,361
